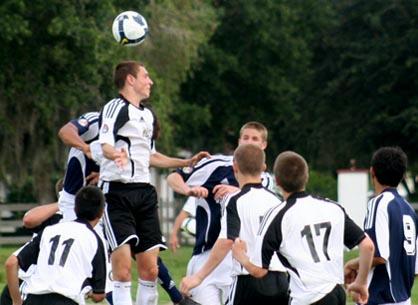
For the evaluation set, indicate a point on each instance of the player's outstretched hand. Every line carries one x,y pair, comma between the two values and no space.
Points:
221,190
239,250
359,292
198,191
350,271
197,157
174,242
188,283
93,178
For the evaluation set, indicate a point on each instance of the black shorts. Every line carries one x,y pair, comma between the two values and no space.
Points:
49,298
271,289
131,216
335,297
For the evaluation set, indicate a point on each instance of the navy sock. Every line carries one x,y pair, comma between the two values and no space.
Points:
167,282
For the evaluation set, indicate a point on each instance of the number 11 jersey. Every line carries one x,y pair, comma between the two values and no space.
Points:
69,257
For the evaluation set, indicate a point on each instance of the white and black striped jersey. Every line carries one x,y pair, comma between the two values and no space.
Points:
208,173
392,225
125,126
69,256
242,218
309,235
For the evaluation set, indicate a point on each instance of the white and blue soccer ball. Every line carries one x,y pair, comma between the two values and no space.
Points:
188,226
130,28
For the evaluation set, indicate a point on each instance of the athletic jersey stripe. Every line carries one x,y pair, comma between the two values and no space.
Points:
111,108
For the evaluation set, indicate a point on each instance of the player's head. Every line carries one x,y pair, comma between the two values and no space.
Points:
249,160
388,165
253,133
133,74
291,171
89,203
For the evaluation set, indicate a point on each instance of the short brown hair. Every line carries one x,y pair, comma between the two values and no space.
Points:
291,171
122,70
250,159
257,126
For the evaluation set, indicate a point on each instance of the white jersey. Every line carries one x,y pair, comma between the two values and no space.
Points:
69,257
125,126
309,235
242,217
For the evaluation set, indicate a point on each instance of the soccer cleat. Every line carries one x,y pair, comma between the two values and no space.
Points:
188,301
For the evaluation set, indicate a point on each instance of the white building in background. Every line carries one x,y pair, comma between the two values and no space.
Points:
353,192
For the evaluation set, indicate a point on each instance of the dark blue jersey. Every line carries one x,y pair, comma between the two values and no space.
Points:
79,165
208,173
391,223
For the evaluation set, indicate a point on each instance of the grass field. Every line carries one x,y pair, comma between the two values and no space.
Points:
176,263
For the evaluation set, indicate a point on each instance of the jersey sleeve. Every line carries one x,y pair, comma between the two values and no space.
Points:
114,115
378,230
268,239
84,122
190,206
353,234
28,255
233,222
98,279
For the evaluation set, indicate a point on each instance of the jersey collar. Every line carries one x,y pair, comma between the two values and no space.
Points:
250,185
86,222
297,195
140,104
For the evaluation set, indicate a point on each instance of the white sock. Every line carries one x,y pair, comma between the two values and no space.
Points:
147,293
122,293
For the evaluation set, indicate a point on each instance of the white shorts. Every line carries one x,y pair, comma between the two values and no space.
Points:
215,287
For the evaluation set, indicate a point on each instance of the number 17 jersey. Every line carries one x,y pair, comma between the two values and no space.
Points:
309,235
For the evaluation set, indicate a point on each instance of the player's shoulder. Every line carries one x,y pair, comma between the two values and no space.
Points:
217,159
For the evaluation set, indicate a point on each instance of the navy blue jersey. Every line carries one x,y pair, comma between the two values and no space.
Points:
208,173
391,223
79,165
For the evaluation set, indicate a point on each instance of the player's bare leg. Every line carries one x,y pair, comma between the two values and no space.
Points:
147,266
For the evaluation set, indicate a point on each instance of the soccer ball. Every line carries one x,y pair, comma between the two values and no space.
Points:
188,226
129,28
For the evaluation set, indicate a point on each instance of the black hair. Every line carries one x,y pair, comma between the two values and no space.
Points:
389,165
89,203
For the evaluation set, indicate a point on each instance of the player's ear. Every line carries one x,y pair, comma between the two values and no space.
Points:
235,167
264,167
264,145
130,79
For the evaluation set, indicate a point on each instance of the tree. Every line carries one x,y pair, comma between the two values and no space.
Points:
255,67
57,60
364,93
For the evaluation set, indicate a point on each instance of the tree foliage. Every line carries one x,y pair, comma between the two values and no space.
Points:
255,68
57,60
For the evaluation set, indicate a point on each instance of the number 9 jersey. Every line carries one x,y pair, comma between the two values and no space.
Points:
391,223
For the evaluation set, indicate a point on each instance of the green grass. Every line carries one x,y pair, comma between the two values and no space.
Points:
176,263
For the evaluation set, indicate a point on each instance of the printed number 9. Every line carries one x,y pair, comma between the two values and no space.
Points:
410,234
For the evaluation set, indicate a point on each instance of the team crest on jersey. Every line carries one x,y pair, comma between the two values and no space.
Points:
83,122
147,133
187,169
105,128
